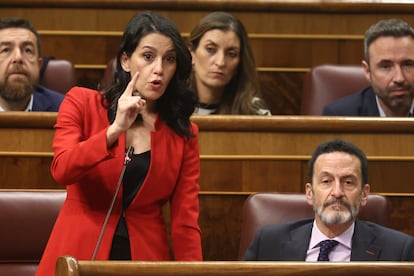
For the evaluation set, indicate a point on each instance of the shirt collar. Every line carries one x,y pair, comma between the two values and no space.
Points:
345,238
204,110
30,105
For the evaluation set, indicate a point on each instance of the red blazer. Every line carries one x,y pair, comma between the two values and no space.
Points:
90,173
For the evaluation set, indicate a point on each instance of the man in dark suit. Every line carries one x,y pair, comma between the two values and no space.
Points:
389,67
20,62
336,189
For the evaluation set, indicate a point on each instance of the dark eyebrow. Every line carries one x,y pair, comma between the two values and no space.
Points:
24,43
234,48
28,42
3,43
209,41
149,47
350,176
155,49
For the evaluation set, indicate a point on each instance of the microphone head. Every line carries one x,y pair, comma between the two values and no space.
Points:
128,154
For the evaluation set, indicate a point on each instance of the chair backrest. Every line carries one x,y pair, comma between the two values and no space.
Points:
58,75
268,208
27,218
326,83
108,75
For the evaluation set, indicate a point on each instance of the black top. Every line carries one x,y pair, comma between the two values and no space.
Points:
135,173
134,176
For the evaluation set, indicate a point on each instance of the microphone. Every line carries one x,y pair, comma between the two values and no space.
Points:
127,158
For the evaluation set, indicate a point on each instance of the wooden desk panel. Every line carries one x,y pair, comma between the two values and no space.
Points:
241,153
69,266
33,172
252,175
26,171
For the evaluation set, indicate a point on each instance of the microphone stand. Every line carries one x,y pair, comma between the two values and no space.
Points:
129,152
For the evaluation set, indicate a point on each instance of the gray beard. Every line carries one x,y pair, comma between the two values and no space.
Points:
339,217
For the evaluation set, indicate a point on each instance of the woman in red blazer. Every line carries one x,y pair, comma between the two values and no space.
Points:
147,108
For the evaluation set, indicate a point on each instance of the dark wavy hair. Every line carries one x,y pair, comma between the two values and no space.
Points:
178,102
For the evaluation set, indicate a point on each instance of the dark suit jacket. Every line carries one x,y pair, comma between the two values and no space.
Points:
45,99
362,103
290,241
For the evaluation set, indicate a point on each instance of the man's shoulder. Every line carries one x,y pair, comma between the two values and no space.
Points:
45,99
351,105
41,90
382,232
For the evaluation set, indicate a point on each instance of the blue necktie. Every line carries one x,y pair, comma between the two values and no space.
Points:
325,247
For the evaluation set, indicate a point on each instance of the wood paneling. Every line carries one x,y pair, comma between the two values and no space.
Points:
288,37
270,51
268,16
26,171
220,223
17,171
282,91
99,48
241,152
244,175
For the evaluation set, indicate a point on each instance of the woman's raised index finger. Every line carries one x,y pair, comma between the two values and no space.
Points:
131,85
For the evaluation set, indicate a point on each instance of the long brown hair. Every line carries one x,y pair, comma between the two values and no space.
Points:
243,88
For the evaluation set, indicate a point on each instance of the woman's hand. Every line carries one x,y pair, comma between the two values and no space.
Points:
130,104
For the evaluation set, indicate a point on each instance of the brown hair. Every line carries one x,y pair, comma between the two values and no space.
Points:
242,93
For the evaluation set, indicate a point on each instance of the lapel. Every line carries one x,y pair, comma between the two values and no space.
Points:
363,247
40,102
295,249
369,103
